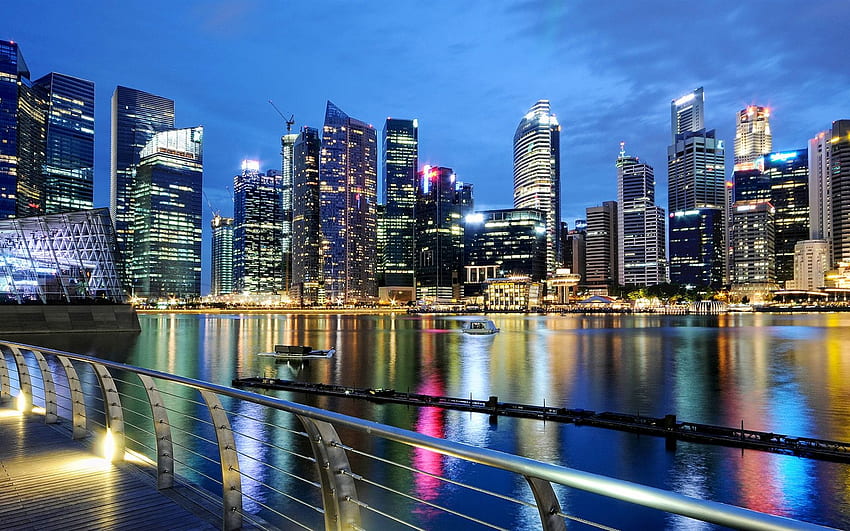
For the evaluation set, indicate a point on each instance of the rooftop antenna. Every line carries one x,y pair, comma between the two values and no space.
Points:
289,121
622,149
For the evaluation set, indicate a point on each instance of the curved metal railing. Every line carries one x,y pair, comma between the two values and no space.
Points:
266,467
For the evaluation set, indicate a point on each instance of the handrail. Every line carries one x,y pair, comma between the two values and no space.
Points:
538,474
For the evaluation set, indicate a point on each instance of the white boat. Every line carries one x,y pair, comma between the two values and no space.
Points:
297,352
480,327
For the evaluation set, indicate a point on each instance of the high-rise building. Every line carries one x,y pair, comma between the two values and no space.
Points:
696,239
400,166
349,193
136,117
820,189
537,172
687,113
46,140
640,225
221,278
753,244
788,175
307,279
257,230
839,185
167,215
811,263
442,203
574,245
503,243
696,180
601,249
287,153
752,135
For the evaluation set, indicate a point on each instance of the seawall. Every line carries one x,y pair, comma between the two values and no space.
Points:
67,318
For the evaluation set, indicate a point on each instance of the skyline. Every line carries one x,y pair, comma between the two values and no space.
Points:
468,76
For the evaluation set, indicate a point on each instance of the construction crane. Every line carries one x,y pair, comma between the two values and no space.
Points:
289,121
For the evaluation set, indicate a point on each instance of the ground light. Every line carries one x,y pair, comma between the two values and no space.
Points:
108,446
21,401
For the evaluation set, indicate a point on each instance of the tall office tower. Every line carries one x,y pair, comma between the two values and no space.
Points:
752,135
307,280
167,215
68,171
788,175
287,153
574,245
820,189
442,204
687,114
601,248
257,230
13,70
136,117
640,225
503,243
811,263
753,244
349,193
381,240
221,278
839,175
400,165
696,180
696,240
537,172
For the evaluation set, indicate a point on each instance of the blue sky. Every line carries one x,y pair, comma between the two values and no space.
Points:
468,71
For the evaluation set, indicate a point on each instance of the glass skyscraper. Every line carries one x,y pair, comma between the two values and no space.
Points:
257,230
12,69
349,193
696,239
400,166
136,117
166,261
307,279
221,277
752,135
287,153
788,175
537,172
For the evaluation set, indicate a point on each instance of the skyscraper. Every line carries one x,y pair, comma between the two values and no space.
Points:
221,278
257,230
287,153
442,203
788,173
400,166
136,117
13,69
537,172
307,279
349,193
753,244
640,225
752,135
839,176
696,181
601,248
820,189
167,215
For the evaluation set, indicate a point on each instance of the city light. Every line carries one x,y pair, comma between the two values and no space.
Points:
685,99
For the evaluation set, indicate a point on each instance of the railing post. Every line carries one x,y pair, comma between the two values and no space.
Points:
78,404
162,431
231,481
25,391
547,504
337,488
113,411
5,384
51,414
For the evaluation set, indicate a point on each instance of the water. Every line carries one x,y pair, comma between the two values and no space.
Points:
786,374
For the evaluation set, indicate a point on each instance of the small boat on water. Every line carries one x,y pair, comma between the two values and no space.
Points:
297,352
480,327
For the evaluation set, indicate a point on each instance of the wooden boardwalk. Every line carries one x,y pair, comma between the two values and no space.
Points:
48,481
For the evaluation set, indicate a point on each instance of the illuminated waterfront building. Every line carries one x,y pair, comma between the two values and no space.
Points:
503,243
752,135
307,280
574,246
829,188
136,117
512,294
788,173
166,261
221,278
442,203
257,230
811,264
400,167
537,172
753,245
640,224
820,189
601,249
349,193
287,151
695,171
696,239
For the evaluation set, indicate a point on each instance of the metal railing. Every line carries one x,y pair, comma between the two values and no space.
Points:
266,467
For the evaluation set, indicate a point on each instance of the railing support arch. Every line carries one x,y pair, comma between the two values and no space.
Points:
25,396
51,413
162,432
231,481
5,384
114,412
547,504
78,404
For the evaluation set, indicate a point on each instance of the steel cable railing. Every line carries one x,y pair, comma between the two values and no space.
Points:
264,463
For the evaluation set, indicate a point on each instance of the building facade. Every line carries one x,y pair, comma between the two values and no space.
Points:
811,264
349,193
696,239
640,225
221,277
752,135
601,249
257,230
788,175
753,244
839,176
307,286
537,172
167,200
400,167
442,203
287,176
687,113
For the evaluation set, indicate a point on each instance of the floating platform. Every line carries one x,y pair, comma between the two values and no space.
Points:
668,426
